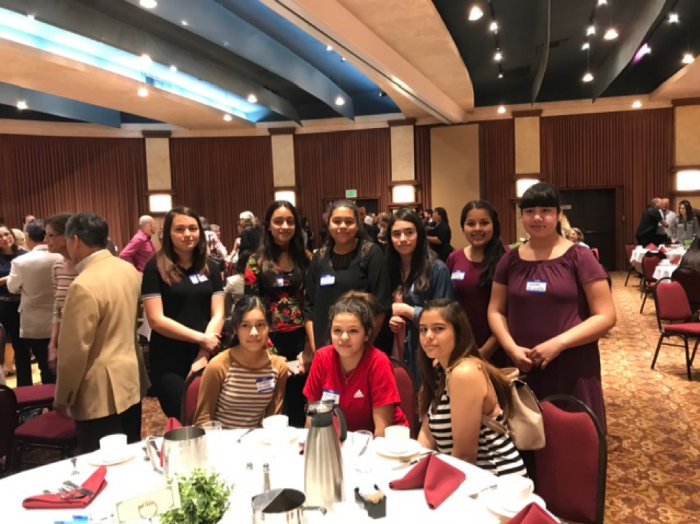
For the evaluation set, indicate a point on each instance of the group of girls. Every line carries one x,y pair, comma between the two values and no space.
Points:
541,307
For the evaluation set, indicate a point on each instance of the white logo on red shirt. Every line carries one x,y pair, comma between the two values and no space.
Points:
358,394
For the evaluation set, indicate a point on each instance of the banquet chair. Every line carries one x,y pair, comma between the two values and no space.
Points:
689,279
8,423
188,405
576,443
408,393
631,270
674,316
651,260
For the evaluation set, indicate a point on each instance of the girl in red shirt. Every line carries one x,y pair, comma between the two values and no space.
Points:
354,374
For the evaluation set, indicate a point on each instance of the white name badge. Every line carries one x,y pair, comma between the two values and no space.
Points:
327,280
330,395
536,286
280,282
265,384
202,278
458,275
194,279
148,506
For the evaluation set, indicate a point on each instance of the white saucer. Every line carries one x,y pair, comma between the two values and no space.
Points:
271,436
96,459
380,446
493,500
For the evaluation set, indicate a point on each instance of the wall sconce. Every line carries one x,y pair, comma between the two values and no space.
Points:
523,184
288,195
688,180
403,194
160,202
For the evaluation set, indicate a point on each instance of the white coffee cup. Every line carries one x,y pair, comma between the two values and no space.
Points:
113,447
514,491
276,422
397,438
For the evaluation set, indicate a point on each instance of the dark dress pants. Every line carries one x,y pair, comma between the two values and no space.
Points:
89,432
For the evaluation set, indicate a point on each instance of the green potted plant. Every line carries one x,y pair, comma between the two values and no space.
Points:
204,499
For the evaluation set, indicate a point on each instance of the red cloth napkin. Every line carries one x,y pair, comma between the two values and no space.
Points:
96,483
532,514
662,249
437,478
651,246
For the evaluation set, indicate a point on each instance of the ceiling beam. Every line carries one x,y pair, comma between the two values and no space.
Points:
543,31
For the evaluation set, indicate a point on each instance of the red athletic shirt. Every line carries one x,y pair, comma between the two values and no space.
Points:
370,385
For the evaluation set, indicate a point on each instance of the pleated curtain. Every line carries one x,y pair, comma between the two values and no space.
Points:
497,147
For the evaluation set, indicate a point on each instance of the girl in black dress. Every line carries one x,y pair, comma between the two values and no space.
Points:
441,235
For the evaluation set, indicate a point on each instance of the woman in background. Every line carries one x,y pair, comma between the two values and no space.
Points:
9,304
685,227
440,236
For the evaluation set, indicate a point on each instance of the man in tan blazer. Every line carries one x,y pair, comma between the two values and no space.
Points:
101,374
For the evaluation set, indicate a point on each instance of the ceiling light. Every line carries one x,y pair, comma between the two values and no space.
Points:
688,58
252,99
610,34
173,68
494,26
339,101
143,92
602,2
184,22
637,104
31,16
585,46
21,105
329,47
591,30
501,110
500,75
498,56
673,18
641,53
228,117
146,59
588,77
343,59
148,4
475,13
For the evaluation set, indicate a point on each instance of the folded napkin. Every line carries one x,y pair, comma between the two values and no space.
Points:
662,249
532,514
74,499
651,246
437,478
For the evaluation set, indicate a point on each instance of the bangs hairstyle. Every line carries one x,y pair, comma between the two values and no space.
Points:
361,305
361,233
15,247
422,258
688,211
269,252
493,250
434,378
245,305
166,257
542,195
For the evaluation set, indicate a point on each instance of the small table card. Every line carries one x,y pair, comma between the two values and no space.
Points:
149,505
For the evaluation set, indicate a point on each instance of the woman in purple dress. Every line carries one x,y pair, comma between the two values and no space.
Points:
472,270
550,303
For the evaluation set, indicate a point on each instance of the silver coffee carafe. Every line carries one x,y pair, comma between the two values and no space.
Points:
323,463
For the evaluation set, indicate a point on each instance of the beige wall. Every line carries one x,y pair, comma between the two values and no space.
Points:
455,172
687,135
158,163
283,170
402,157
527,145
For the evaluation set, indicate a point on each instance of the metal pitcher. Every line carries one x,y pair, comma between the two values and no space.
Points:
283,506
323,463
184,450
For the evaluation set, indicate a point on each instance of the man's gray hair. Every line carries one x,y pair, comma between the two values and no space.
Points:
91,229
145,219
36,230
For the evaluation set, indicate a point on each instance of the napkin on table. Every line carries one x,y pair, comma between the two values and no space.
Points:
532,514
650,246
96,483
437,478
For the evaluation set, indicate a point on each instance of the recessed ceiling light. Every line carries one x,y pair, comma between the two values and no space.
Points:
498,56
148,4
146,59
252,99
228,117
501,110
610,34
31,16
688,58
588,77
494,26
143,92
591,30
184,22
339,101
585,46
602,2
173,68
500,75
475,13
637,104
21,105
673,18
329,47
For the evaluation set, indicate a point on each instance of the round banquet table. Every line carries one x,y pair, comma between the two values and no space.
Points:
136,477
664,271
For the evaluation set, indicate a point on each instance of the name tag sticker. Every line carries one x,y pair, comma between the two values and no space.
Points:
330,395
536,286
327,280
202,278
280,282
458,275
194,279
265,384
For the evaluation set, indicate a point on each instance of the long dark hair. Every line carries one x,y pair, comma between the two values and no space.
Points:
542,195
433,378
493,250
692,256
269,251
443,215
688,212
243,306
166,257
361,233
421,261
15,247
364,306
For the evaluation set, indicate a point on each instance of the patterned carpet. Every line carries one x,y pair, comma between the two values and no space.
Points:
653,421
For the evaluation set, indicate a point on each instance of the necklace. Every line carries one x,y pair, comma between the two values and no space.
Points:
347,377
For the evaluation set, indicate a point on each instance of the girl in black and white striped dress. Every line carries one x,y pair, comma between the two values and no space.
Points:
459,387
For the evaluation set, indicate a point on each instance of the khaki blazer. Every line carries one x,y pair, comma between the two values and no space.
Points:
100,365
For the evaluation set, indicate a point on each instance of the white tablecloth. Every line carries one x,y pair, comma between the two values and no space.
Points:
136,477
664,271
639,252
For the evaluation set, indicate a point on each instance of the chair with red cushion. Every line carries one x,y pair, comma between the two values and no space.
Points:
631,270
689,278
673,316
8,423
651,260
34,397
570,471
408,393
189,398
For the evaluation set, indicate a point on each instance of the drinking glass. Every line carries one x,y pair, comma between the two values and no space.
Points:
211,426
360,442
